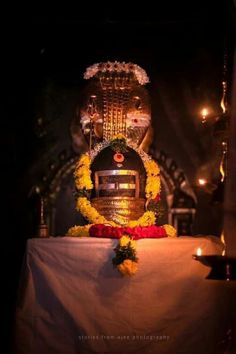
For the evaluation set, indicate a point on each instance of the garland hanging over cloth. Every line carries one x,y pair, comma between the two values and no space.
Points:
136,233
125,258
144,227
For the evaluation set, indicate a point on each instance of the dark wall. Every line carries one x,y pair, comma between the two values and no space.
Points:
44,57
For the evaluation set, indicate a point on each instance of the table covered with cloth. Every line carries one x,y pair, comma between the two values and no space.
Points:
72,300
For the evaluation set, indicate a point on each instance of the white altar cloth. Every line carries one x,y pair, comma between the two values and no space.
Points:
72,300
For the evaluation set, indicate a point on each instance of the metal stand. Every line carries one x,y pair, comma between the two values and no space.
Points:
42,231
222,267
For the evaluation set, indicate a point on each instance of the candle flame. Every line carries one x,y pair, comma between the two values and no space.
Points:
199,251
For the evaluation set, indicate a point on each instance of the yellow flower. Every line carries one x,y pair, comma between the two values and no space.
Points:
128,267
151,168
82,173
84,160
147,219
170,230
153,186
88,211
79,231
124,240
133,244
84,182
153,182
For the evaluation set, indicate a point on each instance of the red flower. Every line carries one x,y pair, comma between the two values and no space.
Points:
138,232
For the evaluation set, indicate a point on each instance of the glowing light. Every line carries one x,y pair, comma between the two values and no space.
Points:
204,113
199,251
223,100
202,181
222,238
37,189
222,172
222,163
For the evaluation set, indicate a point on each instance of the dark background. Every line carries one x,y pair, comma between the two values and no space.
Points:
44,56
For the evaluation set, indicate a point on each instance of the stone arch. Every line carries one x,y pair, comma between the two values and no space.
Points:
180,200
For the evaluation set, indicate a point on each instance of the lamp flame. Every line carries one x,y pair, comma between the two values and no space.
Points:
223,160
222,105
222,102
204,113
222,238
199,251
202,181
222,172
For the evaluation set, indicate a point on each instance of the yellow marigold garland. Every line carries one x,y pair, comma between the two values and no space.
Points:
83,182
82,173
170,230
125,259
153,183
128,267
79,231
88,211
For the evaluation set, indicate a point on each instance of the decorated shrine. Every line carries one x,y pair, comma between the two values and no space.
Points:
117,183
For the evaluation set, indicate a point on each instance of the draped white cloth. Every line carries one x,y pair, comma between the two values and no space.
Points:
72,300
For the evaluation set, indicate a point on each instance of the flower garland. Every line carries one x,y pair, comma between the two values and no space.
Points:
136,233
84,186
87,210
144,227
125,259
